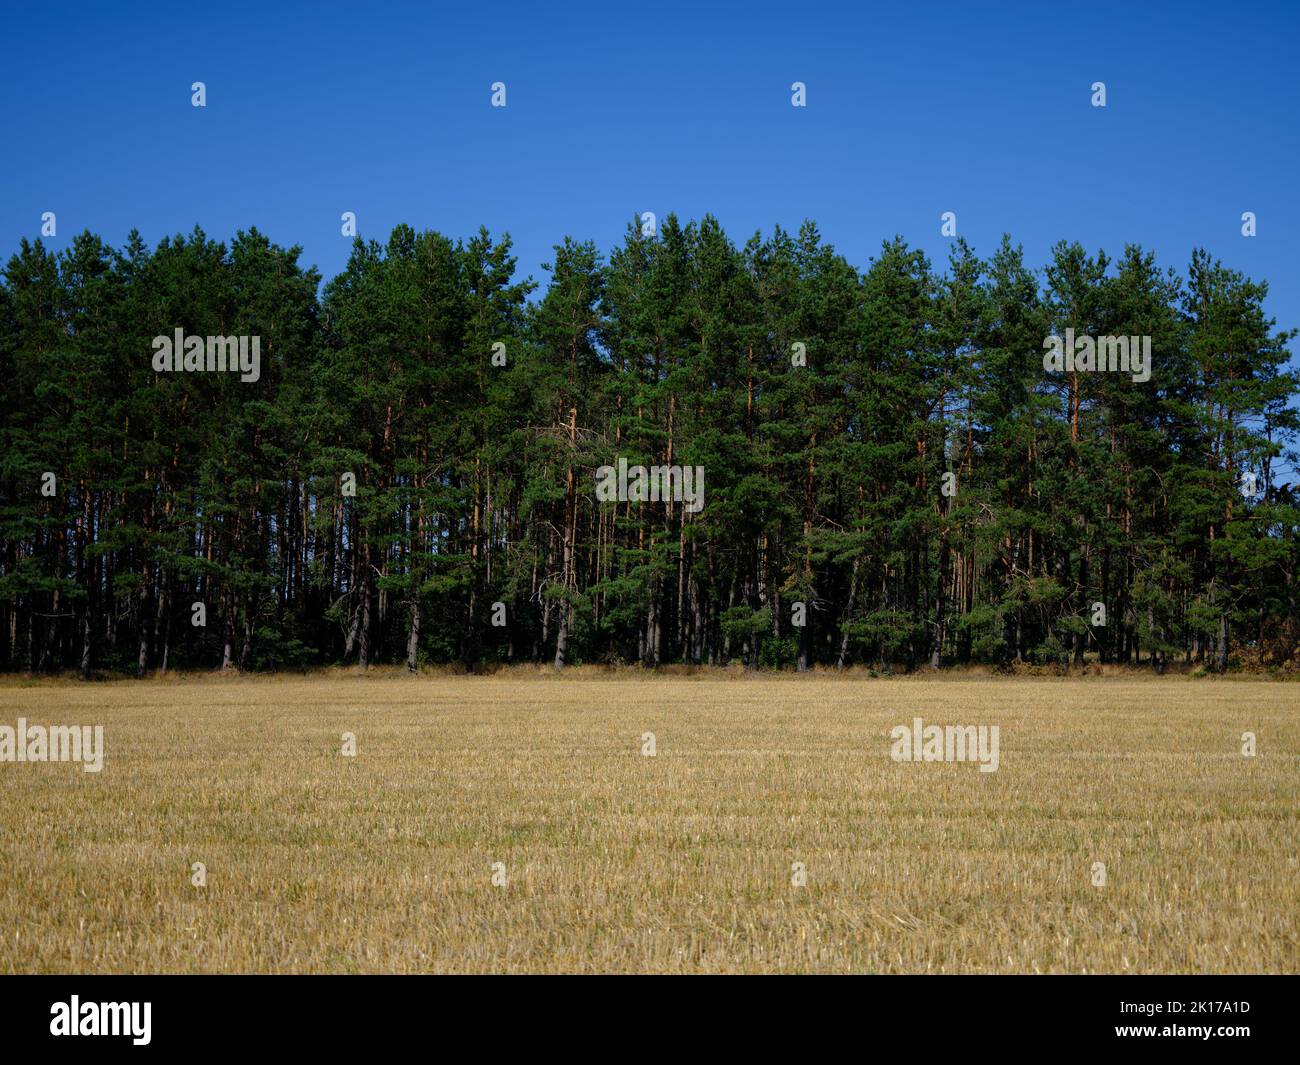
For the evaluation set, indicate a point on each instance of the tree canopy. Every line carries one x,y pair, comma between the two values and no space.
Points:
891,477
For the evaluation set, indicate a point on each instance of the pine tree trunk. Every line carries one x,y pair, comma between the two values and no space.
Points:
848,614
86,627
570,523
413,637
228,643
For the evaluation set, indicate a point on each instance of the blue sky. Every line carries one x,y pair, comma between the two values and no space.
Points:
913,109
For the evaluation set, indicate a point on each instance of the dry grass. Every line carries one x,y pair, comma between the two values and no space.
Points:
681,862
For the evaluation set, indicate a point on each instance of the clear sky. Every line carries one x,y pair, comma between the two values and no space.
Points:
913,109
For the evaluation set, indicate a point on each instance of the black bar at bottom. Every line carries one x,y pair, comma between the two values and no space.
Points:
334,1014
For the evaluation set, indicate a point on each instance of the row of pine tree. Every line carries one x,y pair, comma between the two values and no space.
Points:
885,458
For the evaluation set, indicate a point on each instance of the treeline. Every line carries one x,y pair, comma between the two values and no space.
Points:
411,477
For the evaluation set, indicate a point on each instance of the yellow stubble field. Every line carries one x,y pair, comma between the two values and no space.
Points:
516,823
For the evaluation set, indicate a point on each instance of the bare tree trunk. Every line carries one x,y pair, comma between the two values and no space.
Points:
228,643
160,616
167,642
142,659
697,624
570,528
940,598
246,648
413,637
848,613
85,643
350,640
363,651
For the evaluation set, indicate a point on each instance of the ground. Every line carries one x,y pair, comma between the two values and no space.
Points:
614,861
